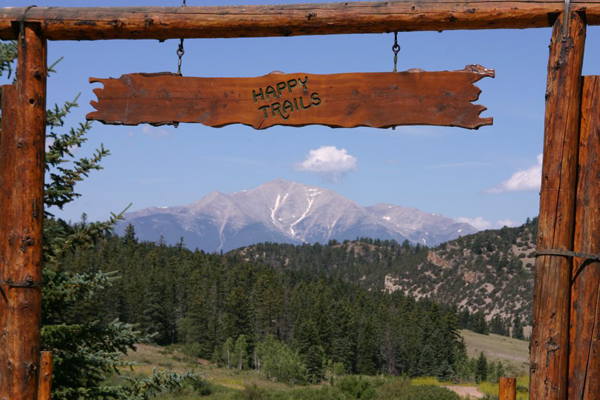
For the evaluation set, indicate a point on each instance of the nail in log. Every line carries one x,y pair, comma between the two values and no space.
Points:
21,216
551,304
584,355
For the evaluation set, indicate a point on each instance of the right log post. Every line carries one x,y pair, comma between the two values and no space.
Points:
551,303
584,353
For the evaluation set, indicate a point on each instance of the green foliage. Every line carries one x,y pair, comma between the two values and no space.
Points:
277,361
489,272
8,53
499,371
403,390
87,344
240,353
208,301
481,373
517,332
227,353
356,387
158,382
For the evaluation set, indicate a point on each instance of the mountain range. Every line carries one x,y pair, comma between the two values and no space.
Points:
282,211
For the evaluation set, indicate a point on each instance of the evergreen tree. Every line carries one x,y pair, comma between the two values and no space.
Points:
315,364
517,332
86,348
499,371
479,323
129,236
481,369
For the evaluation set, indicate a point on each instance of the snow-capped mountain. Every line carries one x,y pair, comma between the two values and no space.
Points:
287,212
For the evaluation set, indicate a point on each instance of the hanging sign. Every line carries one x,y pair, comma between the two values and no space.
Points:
378,100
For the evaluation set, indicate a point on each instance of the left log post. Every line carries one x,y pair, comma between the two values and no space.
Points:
22,150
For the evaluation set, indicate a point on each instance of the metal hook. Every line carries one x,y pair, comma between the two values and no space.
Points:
566,18
22,25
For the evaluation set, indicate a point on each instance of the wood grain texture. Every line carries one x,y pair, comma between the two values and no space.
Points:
45,379
551,302
584,354
162,23
9,122
376,100
21,217
507,388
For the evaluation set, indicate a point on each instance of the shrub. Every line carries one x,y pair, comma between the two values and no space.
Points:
357,388
402,389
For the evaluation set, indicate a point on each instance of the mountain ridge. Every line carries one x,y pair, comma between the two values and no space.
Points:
284,211
490,271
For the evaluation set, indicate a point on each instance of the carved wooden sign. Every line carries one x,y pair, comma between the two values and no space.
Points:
378,100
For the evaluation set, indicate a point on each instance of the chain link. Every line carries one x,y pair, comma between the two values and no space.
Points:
180,53
396,50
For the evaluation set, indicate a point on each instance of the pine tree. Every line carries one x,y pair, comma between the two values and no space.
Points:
315,364
129,236
481,369
479,323
499,371
85,348
518,329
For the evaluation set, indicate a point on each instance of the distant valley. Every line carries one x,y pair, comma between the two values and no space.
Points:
287,212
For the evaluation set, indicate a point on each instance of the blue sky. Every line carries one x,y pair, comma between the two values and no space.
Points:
488,175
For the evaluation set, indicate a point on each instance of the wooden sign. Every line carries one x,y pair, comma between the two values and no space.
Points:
378,100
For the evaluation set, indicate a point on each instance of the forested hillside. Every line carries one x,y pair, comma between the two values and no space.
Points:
490,271
222,309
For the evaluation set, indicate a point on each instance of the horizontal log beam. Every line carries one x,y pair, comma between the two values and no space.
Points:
289,20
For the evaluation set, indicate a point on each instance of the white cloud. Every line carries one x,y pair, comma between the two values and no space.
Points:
506,222
331,163
478,223
523,180
155,133
482,224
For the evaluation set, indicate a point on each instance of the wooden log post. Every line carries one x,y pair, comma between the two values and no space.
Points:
9,121
551,302
584,354
101,23
507,388
45,380
21,216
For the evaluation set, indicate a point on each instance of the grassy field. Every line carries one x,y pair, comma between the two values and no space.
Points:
513,353
225,384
